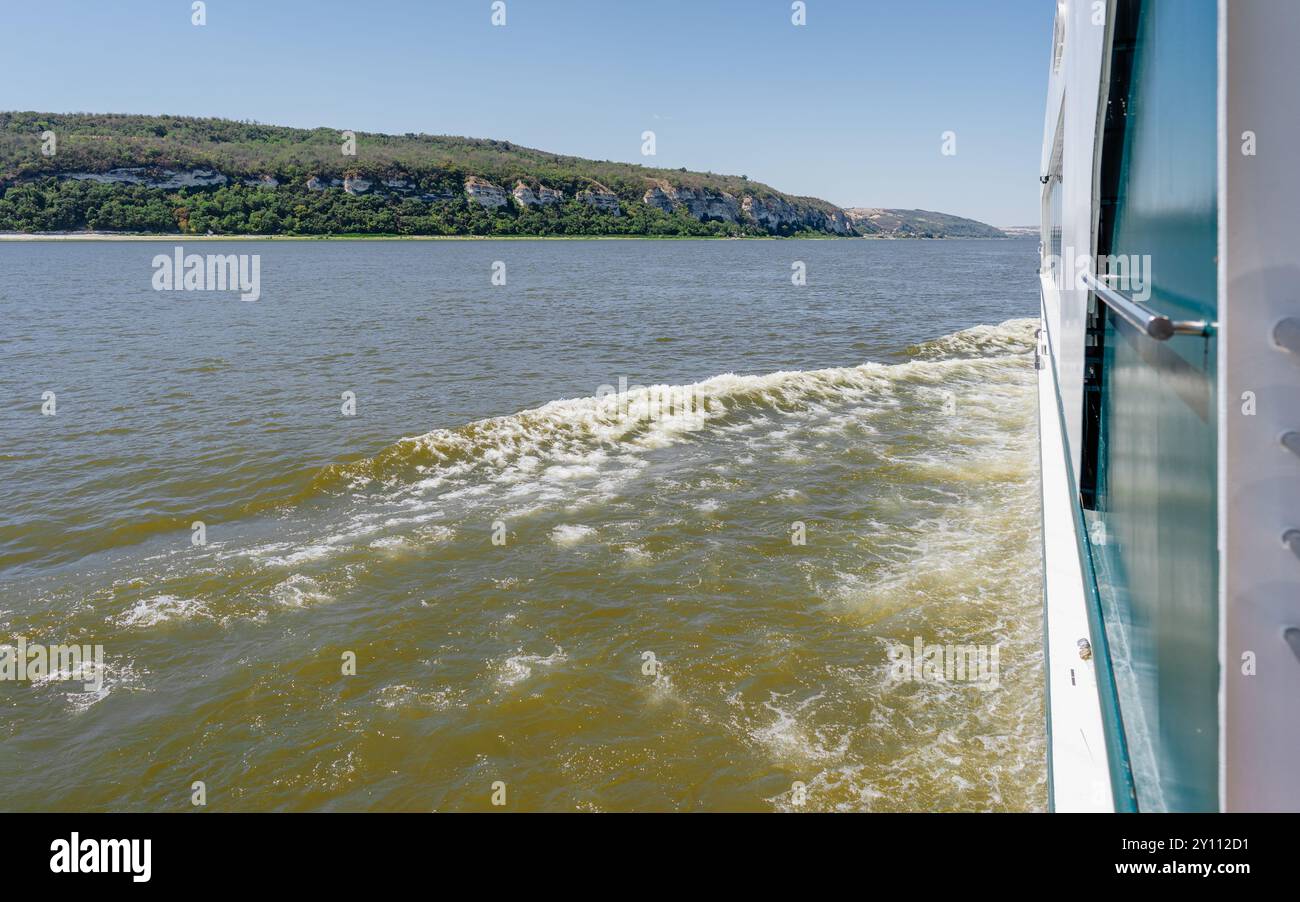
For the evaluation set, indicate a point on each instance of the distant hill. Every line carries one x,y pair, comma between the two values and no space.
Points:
184,175
918,224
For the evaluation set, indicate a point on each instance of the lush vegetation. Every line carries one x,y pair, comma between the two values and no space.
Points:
52,205
36,193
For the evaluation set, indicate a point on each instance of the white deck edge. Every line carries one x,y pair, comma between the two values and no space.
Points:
1077,748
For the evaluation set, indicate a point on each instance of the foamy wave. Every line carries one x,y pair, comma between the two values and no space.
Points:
1015,336
567,534
160,609
845,783
572,439
789,739
90,682
299,591
519,667
393,545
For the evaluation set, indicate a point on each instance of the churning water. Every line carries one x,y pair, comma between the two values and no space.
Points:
601,610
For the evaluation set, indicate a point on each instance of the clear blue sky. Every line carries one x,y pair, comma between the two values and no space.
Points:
850,107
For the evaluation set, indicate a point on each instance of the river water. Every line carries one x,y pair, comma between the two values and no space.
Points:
571,596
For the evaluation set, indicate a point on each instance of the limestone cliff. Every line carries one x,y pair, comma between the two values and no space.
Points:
189,167
484,192
601,198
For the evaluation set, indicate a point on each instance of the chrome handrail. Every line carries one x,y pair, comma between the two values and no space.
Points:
1156,325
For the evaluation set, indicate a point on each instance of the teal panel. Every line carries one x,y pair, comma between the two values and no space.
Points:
1156,549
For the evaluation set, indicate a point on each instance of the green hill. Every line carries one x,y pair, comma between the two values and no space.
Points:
173,174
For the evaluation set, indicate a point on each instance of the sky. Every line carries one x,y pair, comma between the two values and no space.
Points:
851,107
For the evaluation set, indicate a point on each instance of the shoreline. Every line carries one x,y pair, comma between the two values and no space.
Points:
136,236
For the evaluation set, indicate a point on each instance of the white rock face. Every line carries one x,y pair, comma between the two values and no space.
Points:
835,221
601,198
356,185
168,178
197,178
770,212
704,204
127,176
658,197
485,193
526,197
550,196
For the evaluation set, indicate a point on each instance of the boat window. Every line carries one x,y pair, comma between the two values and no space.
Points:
1150,433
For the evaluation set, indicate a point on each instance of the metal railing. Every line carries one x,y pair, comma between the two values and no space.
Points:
1156,325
